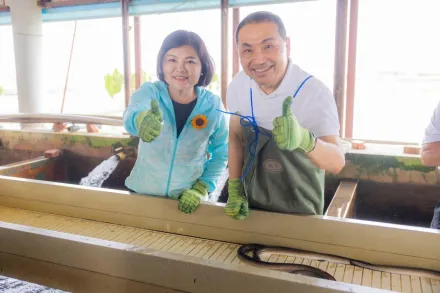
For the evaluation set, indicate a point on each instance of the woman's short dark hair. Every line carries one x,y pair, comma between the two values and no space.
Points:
181,38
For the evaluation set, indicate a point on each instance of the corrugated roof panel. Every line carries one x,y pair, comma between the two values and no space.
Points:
136,7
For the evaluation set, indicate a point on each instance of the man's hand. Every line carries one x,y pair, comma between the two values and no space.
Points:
190,198
289,134
237,206
149,123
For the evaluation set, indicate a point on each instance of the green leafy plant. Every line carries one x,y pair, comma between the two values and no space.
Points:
144,78
215,83
114,82
1,90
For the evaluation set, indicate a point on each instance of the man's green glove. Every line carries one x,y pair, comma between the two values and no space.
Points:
237,206
190,198
289,134
149,123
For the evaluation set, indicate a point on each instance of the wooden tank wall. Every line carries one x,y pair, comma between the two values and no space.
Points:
385,168
392,188
91,145
40,168
8,156
80,154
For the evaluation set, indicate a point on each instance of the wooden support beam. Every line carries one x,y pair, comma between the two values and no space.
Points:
224,10
70,279
137,51
343,202
340,60
235,59
147,266
377,243
126,49
351,68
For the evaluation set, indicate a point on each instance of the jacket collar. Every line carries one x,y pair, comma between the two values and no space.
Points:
205,99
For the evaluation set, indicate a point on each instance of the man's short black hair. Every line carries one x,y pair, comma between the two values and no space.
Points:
259,17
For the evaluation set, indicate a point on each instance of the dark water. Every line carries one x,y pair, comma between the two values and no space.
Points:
9,285
94,179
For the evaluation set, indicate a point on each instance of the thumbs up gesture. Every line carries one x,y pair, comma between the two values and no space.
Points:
289,134
149,123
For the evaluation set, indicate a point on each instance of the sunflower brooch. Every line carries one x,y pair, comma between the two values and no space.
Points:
199,122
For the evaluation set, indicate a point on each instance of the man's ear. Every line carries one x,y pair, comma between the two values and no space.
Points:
287,46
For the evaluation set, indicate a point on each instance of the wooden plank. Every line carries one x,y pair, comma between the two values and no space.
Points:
339,274
219,251
426,285
415,285
348,274
377,279
70,279
435,285
357,276
153,267
386,281
373,242
396,284
343,202
367,278
203,248
406,284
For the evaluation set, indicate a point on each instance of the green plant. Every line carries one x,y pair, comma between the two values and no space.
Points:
144,78
1,90
114,82
215,83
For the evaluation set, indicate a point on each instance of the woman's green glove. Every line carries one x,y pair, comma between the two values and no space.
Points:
149,123
289,134
190,198
237,206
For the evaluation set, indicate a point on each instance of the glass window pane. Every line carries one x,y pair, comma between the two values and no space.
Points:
97,52
8,85
398,69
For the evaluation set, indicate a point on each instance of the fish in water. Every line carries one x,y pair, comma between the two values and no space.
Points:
258,250
297,269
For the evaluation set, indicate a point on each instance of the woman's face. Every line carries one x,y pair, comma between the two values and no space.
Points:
182,68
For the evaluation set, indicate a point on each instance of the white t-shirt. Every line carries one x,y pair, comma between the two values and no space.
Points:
314,106
432,132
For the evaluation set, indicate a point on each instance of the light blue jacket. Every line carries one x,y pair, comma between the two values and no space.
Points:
169,165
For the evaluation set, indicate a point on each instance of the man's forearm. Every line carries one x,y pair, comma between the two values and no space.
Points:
327,156
235,156
431,154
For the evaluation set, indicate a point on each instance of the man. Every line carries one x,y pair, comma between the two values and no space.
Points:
431,154
285,132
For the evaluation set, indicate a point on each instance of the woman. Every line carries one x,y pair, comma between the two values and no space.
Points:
179,124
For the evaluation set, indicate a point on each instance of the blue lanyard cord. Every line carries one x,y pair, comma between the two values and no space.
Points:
300,86
247,121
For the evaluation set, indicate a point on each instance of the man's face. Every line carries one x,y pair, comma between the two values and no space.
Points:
263,54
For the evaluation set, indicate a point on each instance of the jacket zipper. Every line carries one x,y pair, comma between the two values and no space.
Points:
175,145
